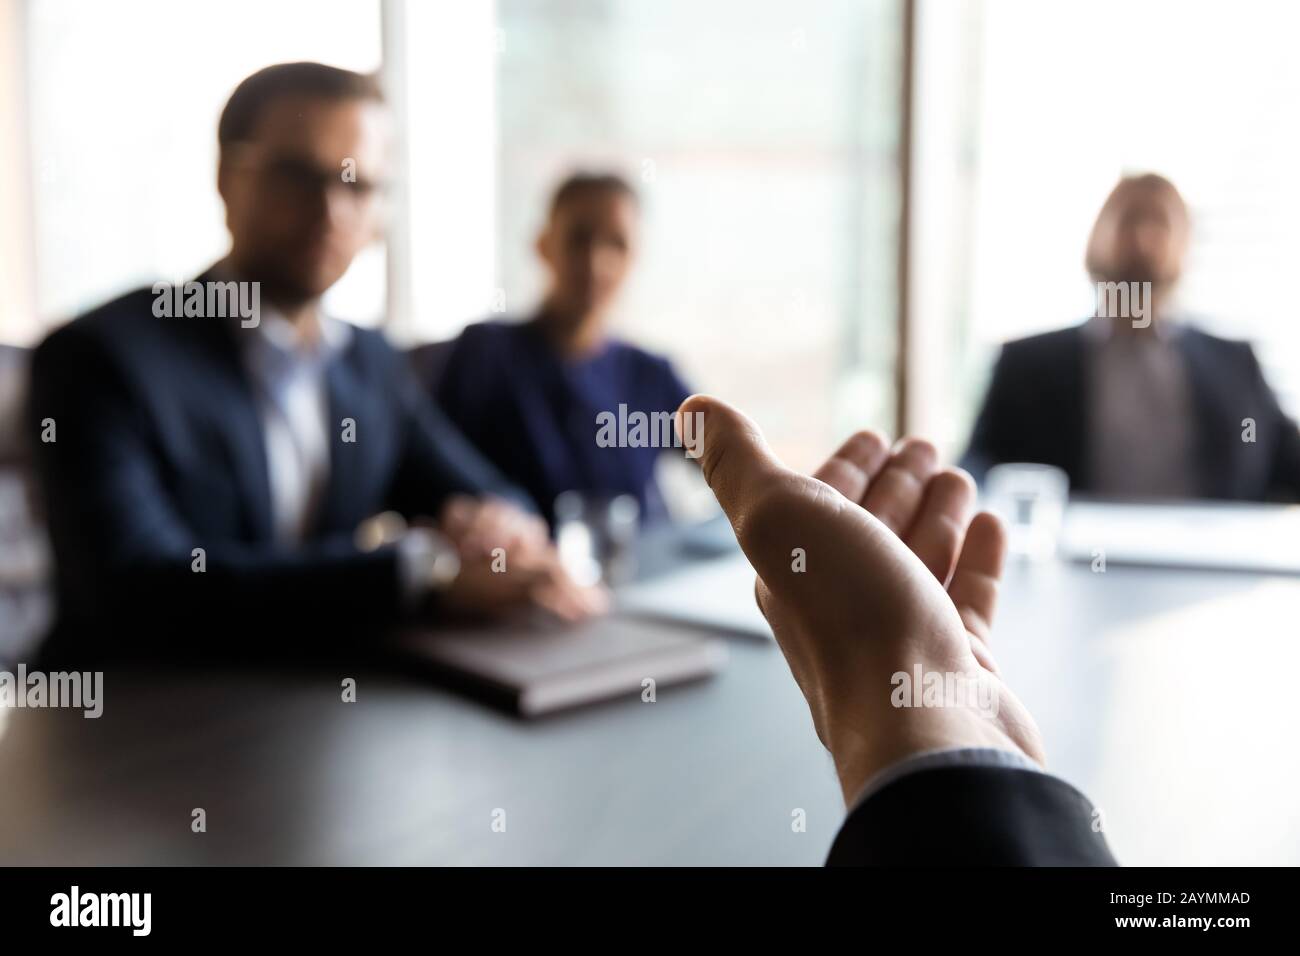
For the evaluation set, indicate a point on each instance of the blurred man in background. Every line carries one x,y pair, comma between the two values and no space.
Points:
210,473
1132,404
528,393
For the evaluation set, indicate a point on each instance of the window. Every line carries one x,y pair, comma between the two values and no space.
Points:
1028,114
122,117
763,137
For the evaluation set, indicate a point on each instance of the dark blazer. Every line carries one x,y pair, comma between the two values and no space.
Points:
973,816
13,386
536,415
1036,410
158,450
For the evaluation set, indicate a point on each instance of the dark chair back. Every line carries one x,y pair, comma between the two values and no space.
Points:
429,361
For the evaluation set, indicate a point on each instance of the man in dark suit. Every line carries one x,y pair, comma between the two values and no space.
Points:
1132,404
873,573
213,457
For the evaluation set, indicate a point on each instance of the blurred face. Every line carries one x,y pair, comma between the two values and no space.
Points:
588,248
303,197
1141,236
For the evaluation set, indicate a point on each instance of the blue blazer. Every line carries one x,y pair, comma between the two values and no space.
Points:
1036,410
158,450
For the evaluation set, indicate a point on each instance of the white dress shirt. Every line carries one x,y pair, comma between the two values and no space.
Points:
293,405
292,394
944,757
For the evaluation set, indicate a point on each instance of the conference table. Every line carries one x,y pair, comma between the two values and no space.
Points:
1165,695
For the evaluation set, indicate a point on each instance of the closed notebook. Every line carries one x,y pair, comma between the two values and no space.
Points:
534,668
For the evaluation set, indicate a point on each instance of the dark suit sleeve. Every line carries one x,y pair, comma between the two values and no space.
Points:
973,816
1284,465
438,460
124,555
986,447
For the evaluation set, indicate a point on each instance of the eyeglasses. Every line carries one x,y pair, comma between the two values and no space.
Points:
303,180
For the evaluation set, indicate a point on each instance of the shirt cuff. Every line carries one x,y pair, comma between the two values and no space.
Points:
948,757
425,562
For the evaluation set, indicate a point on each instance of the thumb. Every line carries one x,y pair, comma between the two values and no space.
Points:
736,461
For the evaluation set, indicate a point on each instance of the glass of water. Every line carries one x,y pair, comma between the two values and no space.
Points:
596,536
1031,500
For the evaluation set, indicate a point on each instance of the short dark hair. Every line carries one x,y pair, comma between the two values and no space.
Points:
578,183
244,108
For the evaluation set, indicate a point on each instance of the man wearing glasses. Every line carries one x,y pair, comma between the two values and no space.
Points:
213,480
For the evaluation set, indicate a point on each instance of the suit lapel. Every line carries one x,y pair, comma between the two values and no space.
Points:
351,402
234,399
1206,390
1075,400
238,405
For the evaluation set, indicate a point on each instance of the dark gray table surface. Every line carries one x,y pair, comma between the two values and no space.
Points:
1183,735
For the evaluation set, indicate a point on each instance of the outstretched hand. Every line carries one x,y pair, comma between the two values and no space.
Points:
868,569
